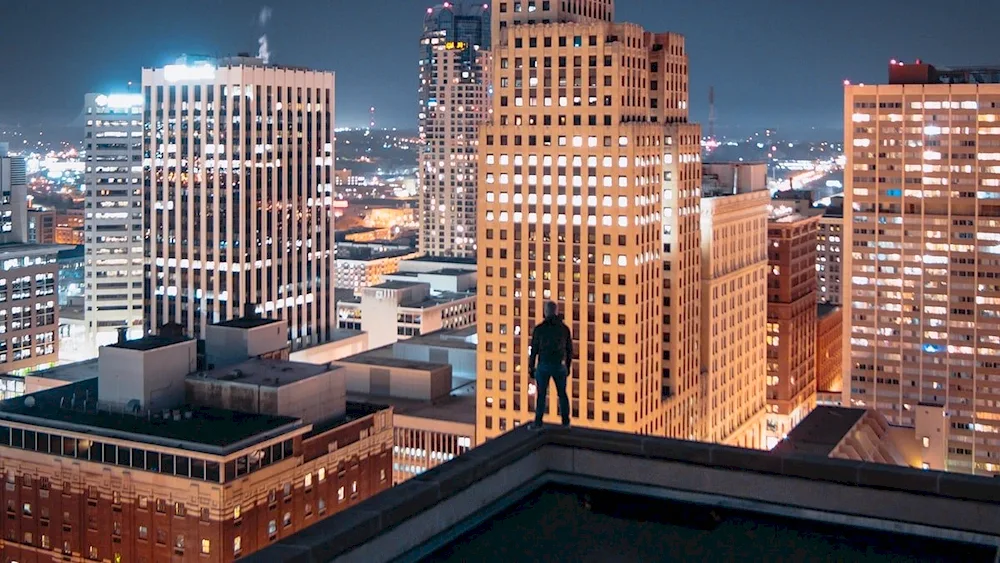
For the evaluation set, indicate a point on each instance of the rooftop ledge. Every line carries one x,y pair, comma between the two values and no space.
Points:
413,520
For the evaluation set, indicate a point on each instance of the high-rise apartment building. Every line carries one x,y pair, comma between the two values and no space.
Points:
454,102
13,197
922,222
589,196
239,164
114,235
734,216
791,320
830,252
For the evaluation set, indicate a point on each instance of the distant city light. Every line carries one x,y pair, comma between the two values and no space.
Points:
119,101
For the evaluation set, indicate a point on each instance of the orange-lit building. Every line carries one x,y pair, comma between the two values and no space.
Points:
69,227
589,195
158,460
791,320
734,304
922,222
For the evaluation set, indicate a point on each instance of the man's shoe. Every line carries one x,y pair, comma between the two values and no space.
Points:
535,425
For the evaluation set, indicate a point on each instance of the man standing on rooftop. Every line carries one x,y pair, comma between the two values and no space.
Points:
552,355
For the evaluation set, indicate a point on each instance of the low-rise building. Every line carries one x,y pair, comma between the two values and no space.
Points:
829,253
158,458
29,308
829,351
364,265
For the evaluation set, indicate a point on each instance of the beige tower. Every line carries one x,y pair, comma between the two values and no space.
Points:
584,155
239,186
922,275
734,303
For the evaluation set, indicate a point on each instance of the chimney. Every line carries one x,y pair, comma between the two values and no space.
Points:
250,311
122,335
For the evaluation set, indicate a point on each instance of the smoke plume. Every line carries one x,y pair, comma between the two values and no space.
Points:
263,51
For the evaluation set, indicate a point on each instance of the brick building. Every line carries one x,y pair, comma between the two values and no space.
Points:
829,349
157,459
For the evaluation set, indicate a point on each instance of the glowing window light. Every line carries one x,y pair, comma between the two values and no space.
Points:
177,73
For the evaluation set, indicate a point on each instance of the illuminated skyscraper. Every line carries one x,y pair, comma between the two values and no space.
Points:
454,102
922,253
239,185
589,195
734,212
791,320
114,271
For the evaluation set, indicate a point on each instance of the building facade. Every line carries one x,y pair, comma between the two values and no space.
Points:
114,235
791,321
922,222
734,316
193,481
239,186
829,350
363,265
589,196
41,226
829,254
13,197
454,102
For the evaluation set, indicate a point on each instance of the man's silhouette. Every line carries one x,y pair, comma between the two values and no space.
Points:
552,350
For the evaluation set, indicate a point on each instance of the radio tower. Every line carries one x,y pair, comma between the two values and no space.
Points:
711,113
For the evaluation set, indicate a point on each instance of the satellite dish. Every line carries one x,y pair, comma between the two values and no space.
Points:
29,402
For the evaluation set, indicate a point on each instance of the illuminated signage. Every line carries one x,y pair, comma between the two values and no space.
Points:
455,45
119,101
178,73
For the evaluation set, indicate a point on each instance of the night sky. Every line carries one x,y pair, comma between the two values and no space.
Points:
775,63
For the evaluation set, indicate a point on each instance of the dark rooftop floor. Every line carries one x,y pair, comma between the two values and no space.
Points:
247,322
149,342
214,428
563,523
821,431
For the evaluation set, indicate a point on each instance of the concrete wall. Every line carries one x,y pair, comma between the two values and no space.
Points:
154,377
462,361
422,384
333,351
320,397
226,345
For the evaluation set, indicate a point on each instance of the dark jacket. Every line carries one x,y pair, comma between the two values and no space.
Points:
551,343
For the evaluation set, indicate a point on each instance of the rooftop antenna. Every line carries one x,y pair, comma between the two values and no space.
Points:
711,113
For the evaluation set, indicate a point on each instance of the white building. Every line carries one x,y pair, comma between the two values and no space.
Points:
361,265
454,87
829,252
13,197
239,195
113,221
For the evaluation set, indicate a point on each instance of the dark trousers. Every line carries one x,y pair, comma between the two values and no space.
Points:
558,374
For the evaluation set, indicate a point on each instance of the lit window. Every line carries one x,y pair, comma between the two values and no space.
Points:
206,546
340,494
322,474
309,480
237,544
237,512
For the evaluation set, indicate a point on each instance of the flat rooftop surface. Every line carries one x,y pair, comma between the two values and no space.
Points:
76,371
445,260
443,339
215,428
458,407
565,523
247,322
821,431
149,342
372,359
396,284
266,373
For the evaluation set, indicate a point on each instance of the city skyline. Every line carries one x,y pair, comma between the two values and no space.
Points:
759,82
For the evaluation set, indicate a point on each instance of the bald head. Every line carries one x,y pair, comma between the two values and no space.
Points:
551,309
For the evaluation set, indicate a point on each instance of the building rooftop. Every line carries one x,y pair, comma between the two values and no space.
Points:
150,342
266,373
206,429
586,495
17,249
368,254
455,339
344,334
922,73
397,284
373,358
248,322
459,406
445,259
437,299
821,431
76,371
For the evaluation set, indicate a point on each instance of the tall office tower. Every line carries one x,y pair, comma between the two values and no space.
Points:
239,186
113,227
922,219
829,253
585,138
791,320
13,197
734,303
454,102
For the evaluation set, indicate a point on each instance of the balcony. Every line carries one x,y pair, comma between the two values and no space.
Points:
592,495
